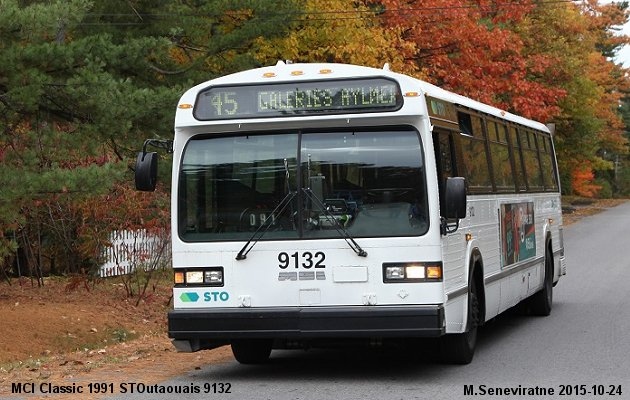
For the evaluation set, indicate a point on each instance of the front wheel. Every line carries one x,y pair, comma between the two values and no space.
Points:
251,351
459,348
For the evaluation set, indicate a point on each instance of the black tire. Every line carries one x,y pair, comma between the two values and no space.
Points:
459,348
542,301
251,351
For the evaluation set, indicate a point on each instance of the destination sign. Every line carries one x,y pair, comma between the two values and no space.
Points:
299,98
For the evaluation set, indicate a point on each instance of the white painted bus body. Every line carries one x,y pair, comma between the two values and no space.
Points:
350,282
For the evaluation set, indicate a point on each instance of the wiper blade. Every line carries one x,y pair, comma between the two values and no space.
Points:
259,233
338,227
281,206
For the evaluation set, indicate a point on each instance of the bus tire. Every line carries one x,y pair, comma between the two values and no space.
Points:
459,348
251,351
542,301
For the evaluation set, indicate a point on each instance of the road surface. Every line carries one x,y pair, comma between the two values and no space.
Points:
582,351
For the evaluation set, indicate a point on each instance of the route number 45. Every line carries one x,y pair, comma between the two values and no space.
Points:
224,103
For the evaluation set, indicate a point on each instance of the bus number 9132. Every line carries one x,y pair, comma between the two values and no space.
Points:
305,260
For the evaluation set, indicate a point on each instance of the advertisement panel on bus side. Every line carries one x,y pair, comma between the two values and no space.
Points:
518,232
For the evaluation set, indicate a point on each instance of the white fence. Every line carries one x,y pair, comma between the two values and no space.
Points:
129,249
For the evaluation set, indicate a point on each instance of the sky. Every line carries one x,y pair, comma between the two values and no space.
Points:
623,56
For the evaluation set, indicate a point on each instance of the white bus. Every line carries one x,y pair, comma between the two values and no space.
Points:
319,203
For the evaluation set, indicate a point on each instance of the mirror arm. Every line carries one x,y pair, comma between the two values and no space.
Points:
447,228
158,143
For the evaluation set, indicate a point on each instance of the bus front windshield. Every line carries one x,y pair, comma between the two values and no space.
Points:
370,183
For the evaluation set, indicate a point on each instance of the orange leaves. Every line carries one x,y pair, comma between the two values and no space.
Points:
126,208
471,47
122,208
548,61
178,55
602,20
582,181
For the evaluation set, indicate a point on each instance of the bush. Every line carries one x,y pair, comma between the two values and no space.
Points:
605,191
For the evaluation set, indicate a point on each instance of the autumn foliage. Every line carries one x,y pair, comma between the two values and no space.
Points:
549,61
82,84
472,48
582,181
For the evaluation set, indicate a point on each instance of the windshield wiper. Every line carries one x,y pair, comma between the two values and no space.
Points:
253,239
338,227
259,233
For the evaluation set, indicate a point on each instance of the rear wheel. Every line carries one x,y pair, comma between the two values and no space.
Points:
459,348
251,351
542,301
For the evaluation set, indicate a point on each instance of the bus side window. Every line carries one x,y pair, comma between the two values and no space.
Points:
546,162
518,160
474,157
529,150
500,154
444,156
465,123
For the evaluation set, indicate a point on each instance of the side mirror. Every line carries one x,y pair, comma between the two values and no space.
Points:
455,198
146,171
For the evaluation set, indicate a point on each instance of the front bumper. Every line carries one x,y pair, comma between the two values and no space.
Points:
222,324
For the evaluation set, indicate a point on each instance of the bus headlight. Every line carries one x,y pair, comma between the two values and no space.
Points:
194,277
412,272
211,276
394,272
415,272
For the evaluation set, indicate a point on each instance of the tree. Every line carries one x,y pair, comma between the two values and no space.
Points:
523,57
580,38
82,84
48,116
470,47
621,170
342,32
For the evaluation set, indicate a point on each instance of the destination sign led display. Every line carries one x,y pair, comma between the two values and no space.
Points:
299,98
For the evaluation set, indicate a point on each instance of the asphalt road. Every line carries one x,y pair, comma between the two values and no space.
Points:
581,351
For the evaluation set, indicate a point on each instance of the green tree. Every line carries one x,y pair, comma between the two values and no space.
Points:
82,84
621,170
